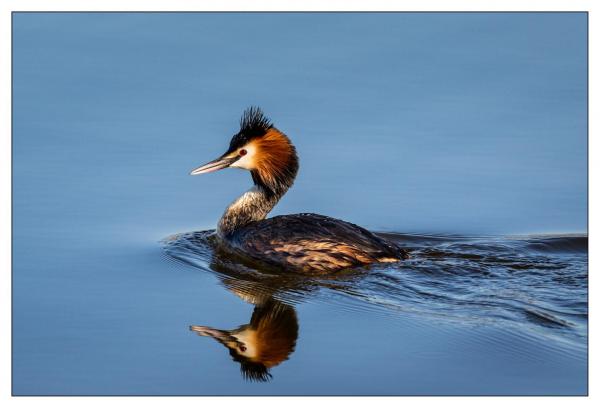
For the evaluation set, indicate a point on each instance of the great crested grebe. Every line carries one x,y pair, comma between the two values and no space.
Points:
301,242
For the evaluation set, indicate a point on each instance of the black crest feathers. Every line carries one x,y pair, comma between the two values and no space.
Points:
254,122
251,371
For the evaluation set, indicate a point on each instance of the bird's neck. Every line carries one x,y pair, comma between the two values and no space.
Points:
253,205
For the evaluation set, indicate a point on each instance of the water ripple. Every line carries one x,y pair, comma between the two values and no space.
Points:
536,283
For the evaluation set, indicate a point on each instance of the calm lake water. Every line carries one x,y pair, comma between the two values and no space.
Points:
463,137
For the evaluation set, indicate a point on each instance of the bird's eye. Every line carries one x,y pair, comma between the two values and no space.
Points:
242,348
243,152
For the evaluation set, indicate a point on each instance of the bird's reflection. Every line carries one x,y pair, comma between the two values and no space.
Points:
269,338
266,341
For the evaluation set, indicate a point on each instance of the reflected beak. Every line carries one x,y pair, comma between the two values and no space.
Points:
221,336
214,165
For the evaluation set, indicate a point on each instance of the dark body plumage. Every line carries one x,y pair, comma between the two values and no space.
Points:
313,242
309,243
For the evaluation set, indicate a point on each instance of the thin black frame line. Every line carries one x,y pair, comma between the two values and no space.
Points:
296,12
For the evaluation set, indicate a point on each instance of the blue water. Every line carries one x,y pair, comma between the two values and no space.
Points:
462,136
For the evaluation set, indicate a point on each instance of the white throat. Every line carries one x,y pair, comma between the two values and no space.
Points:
253,205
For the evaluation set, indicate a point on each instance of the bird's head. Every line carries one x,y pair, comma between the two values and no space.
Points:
260,148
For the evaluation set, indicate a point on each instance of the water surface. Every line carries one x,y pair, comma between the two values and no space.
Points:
509,305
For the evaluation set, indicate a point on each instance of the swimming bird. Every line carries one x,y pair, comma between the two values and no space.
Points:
309,243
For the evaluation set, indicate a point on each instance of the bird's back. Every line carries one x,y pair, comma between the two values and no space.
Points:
313,243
